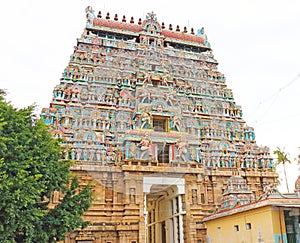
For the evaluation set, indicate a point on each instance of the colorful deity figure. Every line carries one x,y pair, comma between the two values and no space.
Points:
170,96
91,154
111,155
90,15
146,119
193,153
145,95
267,190
201,32
182,150
165,80
146,145
85,154
98,155
271,163
176,123
73,153
78,153
147,79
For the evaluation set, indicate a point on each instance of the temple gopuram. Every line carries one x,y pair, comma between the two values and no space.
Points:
143,110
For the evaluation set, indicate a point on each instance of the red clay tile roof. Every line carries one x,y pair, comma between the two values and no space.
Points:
292,201
137,28
117,25
182,36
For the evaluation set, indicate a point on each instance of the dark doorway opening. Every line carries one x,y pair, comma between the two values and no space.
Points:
163,152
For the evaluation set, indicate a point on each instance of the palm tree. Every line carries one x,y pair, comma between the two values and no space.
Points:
282,158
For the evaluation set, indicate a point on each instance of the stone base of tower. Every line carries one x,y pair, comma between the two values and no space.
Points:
137,202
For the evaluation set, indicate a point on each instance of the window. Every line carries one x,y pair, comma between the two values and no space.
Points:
159,124
155,83
202,198
248,226
236,228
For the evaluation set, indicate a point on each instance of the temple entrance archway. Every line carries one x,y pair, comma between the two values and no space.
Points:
163,209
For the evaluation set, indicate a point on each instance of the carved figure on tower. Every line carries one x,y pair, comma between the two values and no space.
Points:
176,123
170,96
146,146
165,80
145,95
147,79
146,119
90,15
182,150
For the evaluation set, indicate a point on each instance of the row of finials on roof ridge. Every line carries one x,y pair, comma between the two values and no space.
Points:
116,18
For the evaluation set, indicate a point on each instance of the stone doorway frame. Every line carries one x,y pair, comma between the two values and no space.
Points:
179,183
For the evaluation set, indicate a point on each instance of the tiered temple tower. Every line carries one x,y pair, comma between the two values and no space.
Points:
150,120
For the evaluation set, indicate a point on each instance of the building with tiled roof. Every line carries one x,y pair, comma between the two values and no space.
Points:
274,218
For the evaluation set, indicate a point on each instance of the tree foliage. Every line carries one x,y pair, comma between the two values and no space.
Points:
282,158
31,168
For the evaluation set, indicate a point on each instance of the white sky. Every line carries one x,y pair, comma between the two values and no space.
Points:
257,43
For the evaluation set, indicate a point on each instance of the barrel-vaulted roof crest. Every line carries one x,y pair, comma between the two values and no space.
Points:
150,24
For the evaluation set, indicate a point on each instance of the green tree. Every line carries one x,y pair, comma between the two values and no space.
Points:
282,158
31,169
